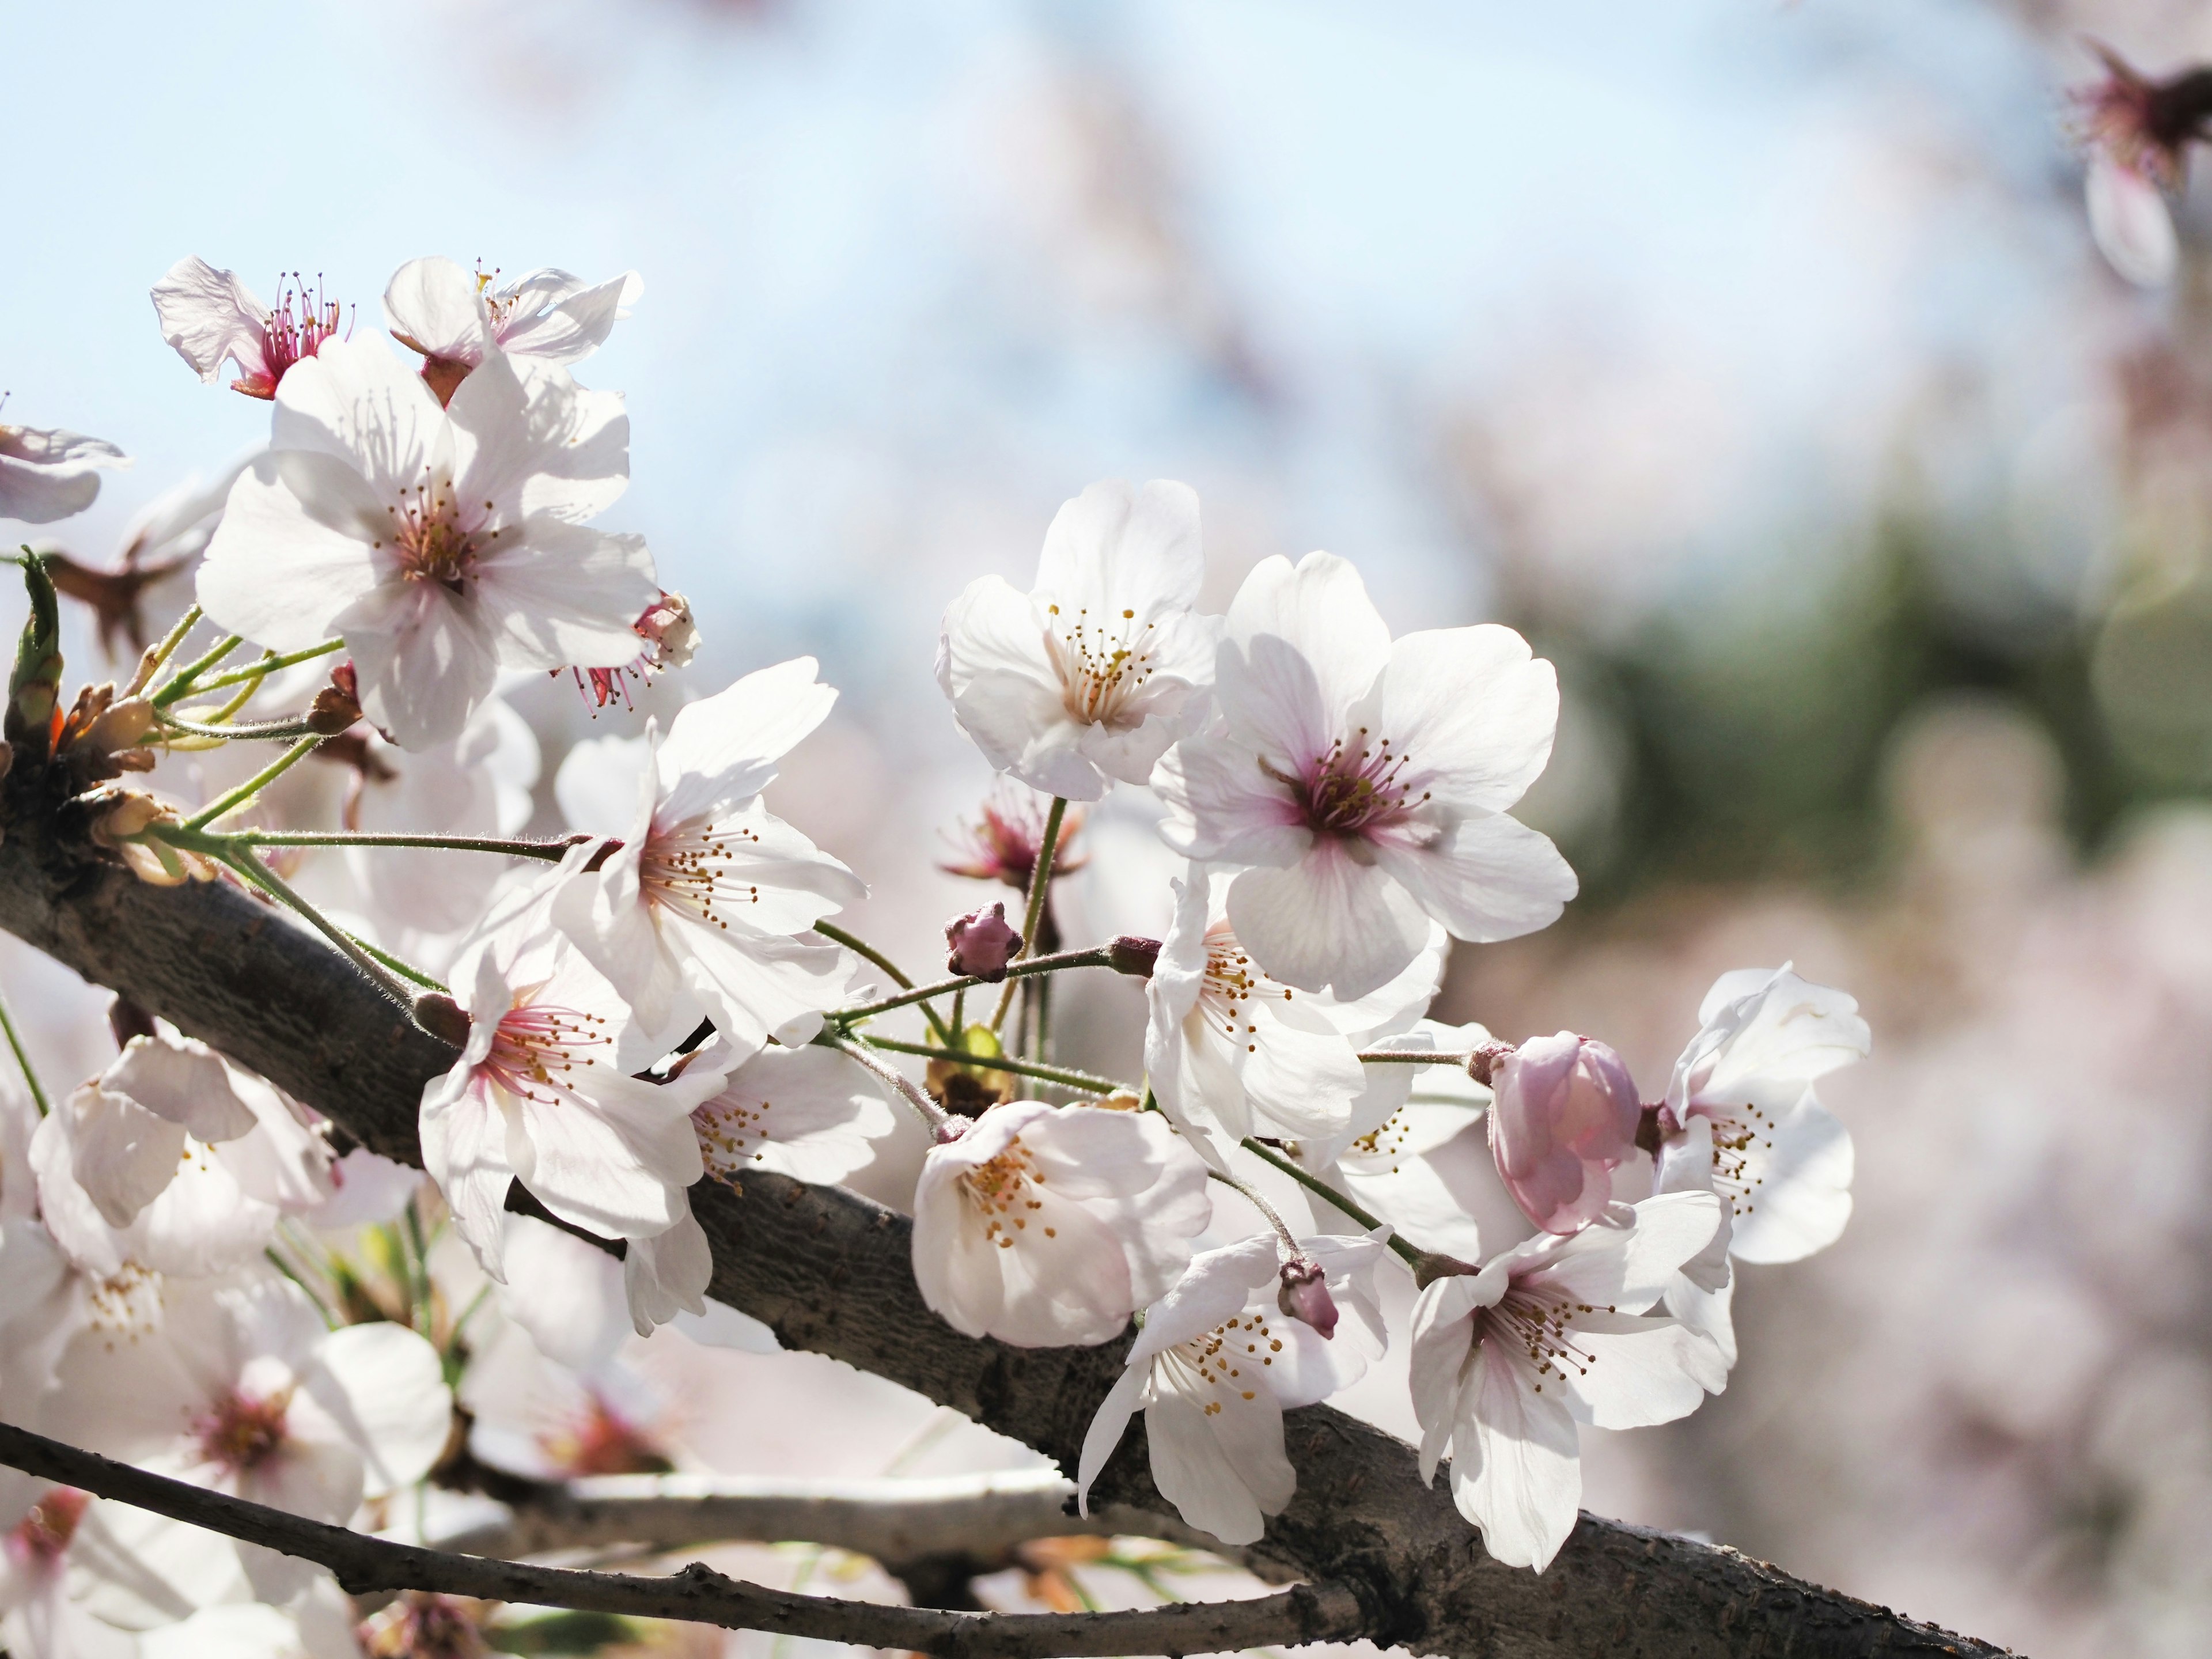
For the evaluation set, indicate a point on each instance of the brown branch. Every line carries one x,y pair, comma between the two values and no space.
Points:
698,1593
829,1271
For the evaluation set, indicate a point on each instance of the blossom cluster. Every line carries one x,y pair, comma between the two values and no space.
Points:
660,997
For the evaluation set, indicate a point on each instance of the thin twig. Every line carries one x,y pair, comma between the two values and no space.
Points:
1412,1254
1040,884
181,684
270,882
698,1593
290,726
253,786
860,947
1413,1057
931,1114
1083,1080
1095,957
23,1062
269,665
552,852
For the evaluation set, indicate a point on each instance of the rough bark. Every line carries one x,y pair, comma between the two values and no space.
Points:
829,1271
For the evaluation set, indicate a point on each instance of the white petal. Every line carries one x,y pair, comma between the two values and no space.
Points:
385,1386
1287,698
567,1294
668,1273
1474,713
1485,877
721,750
1224,807
1516,1467
1802,1198
2134,227
207,315
280,566
1327,921
1640,1369
1138,549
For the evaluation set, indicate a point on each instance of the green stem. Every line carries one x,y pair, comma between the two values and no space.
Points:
269,664
860,947
1084,1081
1096,956
419,1291
167,647
181,684
405,970
295,726
552,852
1253,1196
242,861
1412,1057
253,786
1040,883
931,1114
23,1062
1313,1183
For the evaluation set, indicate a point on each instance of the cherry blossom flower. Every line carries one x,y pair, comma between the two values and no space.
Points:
1554,1332
542,1094
48,474
175,1161
1046,1226
208,315
1093,673
1565,1117
1742,1120
1002,844
78,1575
455,317
697,912
2137,133
1381,1160
244,1389
667,639
443,545
1361,787
1232,1052
1213,1369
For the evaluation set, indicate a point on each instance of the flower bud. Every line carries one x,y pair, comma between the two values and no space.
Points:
1133,955
338,705
982,943
1304,1295
1565,1116
441,1017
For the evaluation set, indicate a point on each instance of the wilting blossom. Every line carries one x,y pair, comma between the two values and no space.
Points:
209,315
1215,1367
243,1388
1554,1332
1091,675
1047,1225
1361,786
698,912
1564,1118
1742,1120
456,317
443,544
1233,1052
48,474
542,1094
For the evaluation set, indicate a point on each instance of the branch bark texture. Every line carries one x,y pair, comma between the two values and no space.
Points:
829,1271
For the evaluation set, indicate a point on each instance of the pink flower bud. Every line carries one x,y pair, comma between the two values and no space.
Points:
1565,1116
982,943
1305,1294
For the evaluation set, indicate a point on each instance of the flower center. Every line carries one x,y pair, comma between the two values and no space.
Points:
599,1440
1742,1135
695,870
1000,1192
1388,1140
242,1432
41,1536
1540,1327
537,1044
1220,1356
433,538
290,338
1358,787
1231,982
1103,663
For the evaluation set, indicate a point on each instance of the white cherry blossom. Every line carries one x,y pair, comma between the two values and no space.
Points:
208,315
244,1389
1091,675
542,1094
1742,1120
443,543
1554,1333
1361,786
456,317
1214,1368
1046,1226
1232,1052
48,474
697,912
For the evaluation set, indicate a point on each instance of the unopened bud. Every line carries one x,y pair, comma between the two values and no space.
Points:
338,705
126,1019
441,1017
1482,1064
1565,1116
1304,1295
982,943
1133,955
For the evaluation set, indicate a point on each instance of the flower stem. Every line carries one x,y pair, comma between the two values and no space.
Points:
860,947
1096,956
294,725
180,684
1251,1195
1084,1081
23,1062
242,861
406,970
253,786
1267,1154
931,1114
269,664
161,652
1040,884
1412,1057
552,852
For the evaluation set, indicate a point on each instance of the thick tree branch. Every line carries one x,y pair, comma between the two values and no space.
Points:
698,1593
829,1271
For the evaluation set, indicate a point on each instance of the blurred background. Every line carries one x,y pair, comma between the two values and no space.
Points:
1755,359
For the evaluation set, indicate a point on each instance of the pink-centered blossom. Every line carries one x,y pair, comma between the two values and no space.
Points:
208,315
699,912
1564,1118
1089,677
1360,786
1046,1226
444,544
1554,1333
